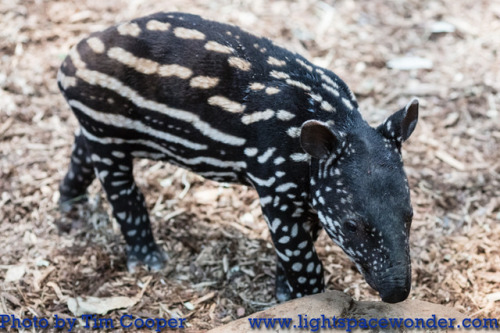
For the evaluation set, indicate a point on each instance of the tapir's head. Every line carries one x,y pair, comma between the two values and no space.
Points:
361,194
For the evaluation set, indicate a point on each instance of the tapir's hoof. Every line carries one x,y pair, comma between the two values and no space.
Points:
283,292
155,261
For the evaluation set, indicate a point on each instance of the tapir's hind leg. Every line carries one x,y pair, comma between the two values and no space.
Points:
113,167
79,176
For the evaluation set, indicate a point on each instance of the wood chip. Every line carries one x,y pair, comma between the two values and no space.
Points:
451,161
205,298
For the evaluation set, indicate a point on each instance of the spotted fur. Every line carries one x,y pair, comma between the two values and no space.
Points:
234,107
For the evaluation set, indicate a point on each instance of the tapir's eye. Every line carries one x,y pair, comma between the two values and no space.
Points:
351,226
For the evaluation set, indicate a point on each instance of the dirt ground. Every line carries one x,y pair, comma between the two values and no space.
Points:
221,263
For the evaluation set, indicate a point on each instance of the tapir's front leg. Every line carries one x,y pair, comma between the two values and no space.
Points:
299,271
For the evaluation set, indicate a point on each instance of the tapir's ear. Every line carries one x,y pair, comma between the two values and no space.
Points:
317,139
401,124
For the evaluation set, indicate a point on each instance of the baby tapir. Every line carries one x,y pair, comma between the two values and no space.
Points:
234,107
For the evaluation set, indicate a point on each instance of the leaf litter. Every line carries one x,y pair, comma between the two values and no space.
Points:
221,263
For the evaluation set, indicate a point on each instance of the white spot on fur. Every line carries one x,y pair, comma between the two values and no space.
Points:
255,86
329,81
117,153
251,151
239,63
276,62
204,82
316,97
130,29
96,44
282,256
226,104
107,161
388,125
275,225
279,75
75,58
327,106
185,33
65,81
298,212
119,183
299,157
279,160
347,103
257,116
294,132
284,115
272,90
330,89
102,175
303,64
266,200
175,70
264,157
285,187
284,240
298,84
216,47
155,25
262,182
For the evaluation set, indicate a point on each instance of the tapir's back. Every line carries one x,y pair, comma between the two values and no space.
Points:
210,82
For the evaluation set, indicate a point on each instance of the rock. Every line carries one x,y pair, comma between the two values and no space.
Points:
339,305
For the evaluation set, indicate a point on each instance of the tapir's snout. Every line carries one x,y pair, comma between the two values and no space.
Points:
395,295
395,288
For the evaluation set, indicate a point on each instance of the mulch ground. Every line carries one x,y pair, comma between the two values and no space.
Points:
221,264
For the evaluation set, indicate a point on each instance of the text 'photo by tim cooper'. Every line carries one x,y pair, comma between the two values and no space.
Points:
196,162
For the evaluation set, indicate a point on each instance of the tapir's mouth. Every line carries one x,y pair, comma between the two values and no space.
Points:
395,296
393,287
368,277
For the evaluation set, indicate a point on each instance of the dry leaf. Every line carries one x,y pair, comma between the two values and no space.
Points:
493,297
409,63
99,305
442,27
15,273
206,197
